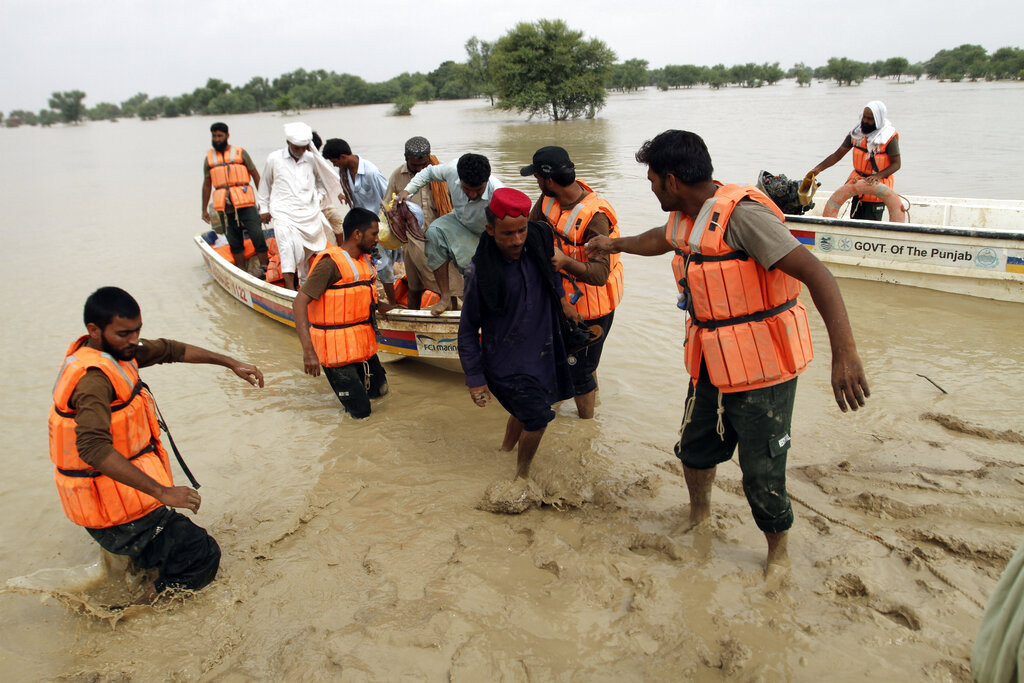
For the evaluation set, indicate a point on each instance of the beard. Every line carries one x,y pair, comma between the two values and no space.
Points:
125,354
220,146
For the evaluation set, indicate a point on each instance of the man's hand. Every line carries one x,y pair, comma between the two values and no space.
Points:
570,312
849,383
560,260
310,363
250,373
402,197
601,244
265,217
480,395
181,497
206,216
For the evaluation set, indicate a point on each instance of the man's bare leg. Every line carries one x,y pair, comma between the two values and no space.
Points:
289,281
447,301
699,483
389,291
264,258
528,443
585,404
239,259
513,429
778,552
415,299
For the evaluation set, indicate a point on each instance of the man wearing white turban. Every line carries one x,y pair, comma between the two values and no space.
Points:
876,156
294,182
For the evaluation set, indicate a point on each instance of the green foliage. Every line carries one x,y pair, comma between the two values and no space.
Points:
772,73
895,66
69,105
802,73
403,105
48,117
1007,62
629,75
546,68
480,79
20,117
846,71
149,110
953,65
104,111
284,103
130,106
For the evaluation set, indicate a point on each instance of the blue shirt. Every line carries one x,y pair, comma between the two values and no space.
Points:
470,212
368,186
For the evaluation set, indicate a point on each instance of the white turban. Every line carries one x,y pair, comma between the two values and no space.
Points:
298,133
884,129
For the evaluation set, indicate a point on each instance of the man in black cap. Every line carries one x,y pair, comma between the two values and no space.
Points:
577,214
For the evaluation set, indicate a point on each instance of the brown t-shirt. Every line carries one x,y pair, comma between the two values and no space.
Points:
94,394
755,230
598,266
323,276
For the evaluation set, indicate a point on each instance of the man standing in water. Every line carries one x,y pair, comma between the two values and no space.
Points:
112,472
510,336
876,157
434,200
333,313
578,214
739,271
453,238
291,191
229,173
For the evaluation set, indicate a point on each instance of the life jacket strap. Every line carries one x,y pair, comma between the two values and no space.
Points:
96,473
752,318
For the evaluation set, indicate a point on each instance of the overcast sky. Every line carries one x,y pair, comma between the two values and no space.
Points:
112,49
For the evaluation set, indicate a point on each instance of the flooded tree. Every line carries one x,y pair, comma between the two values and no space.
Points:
548,69
68,105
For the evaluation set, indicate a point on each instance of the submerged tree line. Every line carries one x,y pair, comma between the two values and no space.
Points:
542,68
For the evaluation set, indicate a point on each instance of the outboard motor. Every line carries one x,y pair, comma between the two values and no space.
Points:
784,192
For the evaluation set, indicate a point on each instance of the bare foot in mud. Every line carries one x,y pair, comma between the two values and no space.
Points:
776,566
700,518
510,497
148,597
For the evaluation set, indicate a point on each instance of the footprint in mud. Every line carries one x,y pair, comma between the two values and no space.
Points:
901,614
663,545
510,497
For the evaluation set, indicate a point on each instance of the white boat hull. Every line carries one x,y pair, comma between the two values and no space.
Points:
403,334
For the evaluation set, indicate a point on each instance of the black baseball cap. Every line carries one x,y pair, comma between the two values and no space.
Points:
546,160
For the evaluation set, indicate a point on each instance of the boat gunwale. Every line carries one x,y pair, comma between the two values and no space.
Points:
913,228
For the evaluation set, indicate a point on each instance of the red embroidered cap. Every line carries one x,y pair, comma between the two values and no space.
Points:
509,202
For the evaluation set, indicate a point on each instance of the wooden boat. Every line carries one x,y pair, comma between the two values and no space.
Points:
962,246
403,333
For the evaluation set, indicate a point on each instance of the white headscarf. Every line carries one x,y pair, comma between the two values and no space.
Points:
298,133
883,132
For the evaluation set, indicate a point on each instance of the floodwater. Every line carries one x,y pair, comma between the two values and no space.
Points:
354,550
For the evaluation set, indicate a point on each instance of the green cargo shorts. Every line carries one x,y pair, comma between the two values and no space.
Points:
757,422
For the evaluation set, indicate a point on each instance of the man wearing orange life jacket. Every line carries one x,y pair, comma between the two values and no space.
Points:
577,214
876,157
747,339
232,177
111,469
334,316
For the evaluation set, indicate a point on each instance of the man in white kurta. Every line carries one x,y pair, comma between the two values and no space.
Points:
292,186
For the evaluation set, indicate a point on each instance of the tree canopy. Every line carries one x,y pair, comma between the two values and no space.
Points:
68,105
546,68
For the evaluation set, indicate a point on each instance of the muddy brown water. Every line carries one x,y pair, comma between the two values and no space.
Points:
354,551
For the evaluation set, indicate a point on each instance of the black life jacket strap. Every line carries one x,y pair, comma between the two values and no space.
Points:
752,318
151,448
341,327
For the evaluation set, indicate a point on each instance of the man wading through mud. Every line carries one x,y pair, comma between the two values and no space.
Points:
739,272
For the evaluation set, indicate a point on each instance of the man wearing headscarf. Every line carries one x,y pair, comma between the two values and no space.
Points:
295,181
434,201
876,156
510,334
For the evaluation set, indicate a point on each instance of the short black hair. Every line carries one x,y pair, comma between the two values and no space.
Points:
106,303
335,147
473,169
222,127
492,217
563,176
358,218
679,152
317,140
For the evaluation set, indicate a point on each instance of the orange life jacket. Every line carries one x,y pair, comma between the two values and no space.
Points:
569,227
341,321
746,323
230,178
91,499
865,163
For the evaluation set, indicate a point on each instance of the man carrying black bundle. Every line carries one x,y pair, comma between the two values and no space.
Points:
510,332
